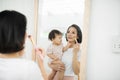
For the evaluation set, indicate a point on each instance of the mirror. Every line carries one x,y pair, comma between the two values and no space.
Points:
60,14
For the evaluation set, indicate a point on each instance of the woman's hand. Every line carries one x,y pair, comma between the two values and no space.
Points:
76,48
40,60
57,65
40,53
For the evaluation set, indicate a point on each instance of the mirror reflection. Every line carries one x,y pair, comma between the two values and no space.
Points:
59,15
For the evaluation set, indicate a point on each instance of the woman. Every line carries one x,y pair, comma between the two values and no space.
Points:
12,40
71,58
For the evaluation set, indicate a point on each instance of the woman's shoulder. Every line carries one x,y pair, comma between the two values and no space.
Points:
19,62
70,50
27,62
22,68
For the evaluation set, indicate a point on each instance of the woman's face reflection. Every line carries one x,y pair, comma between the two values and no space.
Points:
71,34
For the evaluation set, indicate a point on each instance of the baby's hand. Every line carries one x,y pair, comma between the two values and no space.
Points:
68,44
66,47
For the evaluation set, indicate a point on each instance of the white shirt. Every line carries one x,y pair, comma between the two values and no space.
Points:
19,69
67,60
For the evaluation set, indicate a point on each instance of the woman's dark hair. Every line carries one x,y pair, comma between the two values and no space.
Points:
12,31
79,32
53,33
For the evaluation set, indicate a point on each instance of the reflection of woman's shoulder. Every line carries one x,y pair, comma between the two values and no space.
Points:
69,50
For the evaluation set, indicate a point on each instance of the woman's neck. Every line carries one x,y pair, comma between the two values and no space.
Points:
72,44
11,55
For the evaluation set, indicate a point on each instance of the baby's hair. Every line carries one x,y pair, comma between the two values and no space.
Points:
53,33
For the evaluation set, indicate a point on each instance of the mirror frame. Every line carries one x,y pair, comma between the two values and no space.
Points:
85,34
85,40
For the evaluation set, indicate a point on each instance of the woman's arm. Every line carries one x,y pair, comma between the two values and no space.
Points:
57,65
41,63
75,62
42,68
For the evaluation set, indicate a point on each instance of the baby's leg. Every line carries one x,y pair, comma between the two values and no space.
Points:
52,75
60,75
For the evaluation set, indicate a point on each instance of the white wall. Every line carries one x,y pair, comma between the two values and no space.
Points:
27,8
102,63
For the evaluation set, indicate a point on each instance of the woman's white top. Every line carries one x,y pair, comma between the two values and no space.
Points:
67,60
19,69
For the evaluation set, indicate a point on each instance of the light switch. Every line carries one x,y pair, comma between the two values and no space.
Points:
116,44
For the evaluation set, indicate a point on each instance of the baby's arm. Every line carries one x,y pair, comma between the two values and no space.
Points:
66,47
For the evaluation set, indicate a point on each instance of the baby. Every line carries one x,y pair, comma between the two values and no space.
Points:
55,52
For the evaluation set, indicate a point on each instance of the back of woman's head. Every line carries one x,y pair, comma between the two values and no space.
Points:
12,31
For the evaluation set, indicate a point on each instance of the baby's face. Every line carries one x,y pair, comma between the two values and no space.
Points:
57,40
